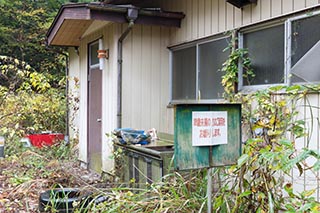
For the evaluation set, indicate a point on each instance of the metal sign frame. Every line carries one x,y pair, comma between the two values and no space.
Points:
187,156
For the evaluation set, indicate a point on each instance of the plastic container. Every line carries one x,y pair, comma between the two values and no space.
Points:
47,139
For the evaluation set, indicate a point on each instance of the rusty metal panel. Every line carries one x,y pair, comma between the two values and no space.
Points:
187,156
228,154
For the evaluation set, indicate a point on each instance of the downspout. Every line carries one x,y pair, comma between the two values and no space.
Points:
132,15
66,137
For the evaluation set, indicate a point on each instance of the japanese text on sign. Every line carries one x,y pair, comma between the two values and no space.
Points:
209,128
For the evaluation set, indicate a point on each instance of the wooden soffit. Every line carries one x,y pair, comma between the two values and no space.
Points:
73,20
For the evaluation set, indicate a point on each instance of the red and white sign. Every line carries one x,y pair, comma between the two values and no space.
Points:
209,128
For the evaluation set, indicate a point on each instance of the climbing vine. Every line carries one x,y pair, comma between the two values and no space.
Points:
272,122
238,58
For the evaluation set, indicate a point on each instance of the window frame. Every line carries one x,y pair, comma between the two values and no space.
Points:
195,44
287,22
248,88
288,43
90,45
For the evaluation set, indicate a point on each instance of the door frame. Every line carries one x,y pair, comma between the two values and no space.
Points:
90,67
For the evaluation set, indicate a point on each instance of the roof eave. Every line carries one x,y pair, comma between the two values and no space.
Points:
85,14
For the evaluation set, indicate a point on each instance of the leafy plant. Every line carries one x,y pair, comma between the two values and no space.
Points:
238,58
175,193
256,183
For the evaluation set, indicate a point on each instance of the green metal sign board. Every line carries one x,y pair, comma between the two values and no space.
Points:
206,135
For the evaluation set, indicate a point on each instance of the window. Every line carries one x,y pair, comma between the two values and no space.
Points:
285,53
305,49
93,53
196,70
184,74
266,51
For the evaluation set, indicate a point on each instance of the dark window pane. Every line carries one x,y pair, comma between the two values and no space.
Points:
211,58
266,50
184,74
305,51
94,54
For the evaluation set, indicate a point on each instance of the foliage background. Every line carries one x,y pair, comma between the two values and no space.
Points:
32,74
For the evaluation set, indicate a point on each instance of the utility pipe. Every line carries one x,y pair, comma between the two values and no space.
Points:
120,46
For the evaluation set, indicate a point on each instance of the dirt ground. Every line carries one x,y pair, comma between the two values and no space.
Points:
23,178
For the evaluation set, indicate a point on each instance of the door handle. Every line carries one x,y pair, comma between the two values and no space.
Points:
99,120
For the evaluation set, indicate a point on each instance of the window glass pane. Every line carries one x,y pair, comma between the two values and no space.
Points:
305,49
184,74
266,50
211,58
94,54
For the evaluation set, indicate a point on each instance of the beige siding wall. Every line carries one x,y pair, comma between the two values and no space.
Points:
146,79
146,57
109,97
208,17
73,93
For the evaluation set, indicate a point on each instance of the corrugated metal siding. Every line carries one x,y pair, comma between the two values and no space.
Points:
73,92
208,17
146,58
146,79
109,94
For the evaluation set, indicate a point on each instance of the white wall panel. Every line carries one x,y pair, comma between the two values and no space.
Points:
126,79
156,81
311,2
195,18
276,7
265,9
287,6
247,15
201,20
223,16
73,92
256,10
207,17
146,75
166,114
146,79
230,22
299,4
109,97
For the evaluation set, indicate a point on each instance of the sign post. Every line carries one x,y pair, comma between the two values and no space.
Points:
207,136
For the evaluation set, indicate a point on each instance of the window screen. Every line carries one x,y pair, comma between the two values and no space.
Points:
305,49
211,57
266,51
93,48
184,74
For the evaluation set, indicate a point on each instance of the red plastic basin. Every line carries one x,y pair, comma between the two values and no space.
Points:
40,140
